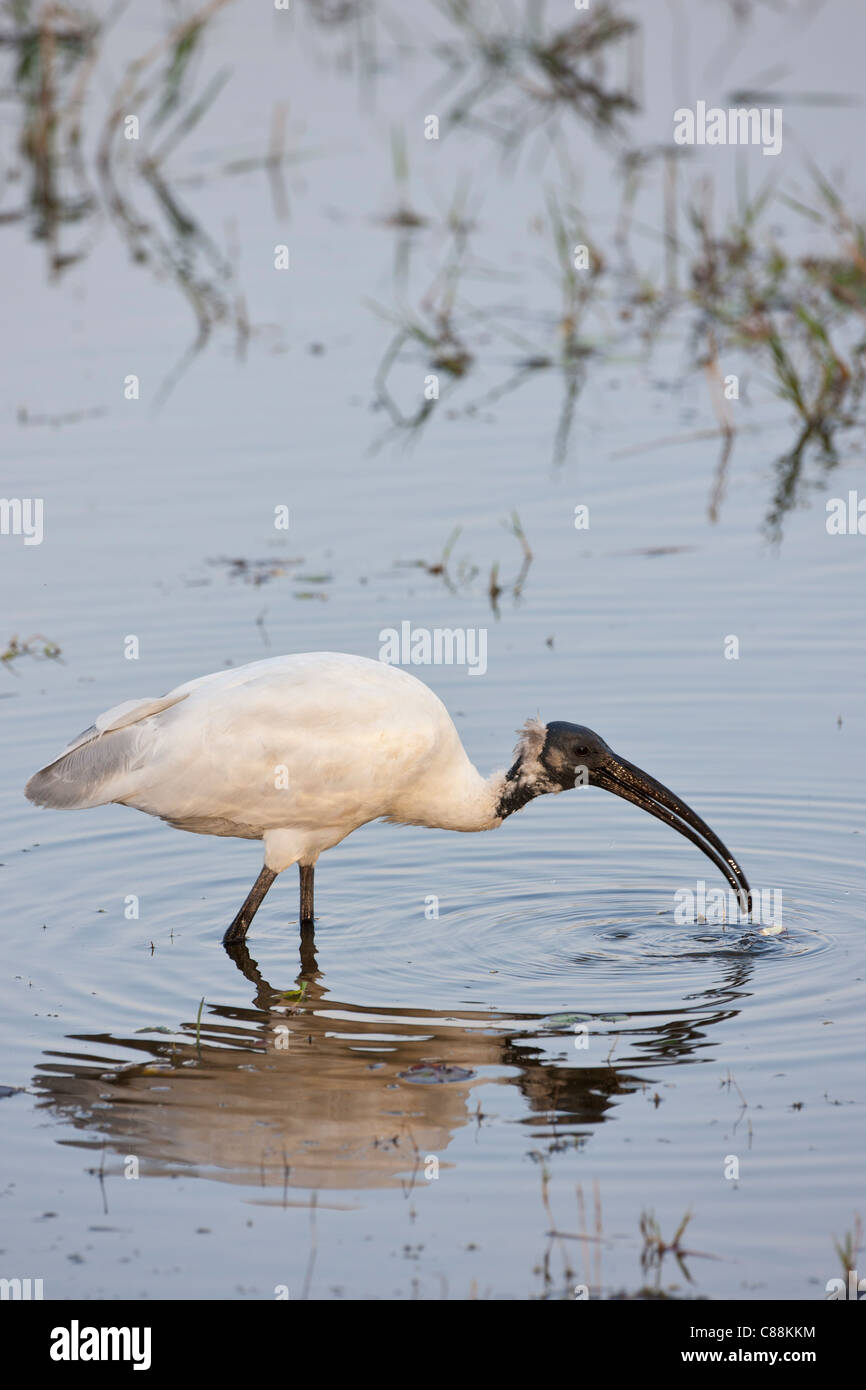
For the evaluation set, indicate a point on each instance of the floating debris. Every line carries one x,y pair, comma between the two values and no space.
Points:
255,571
69,417
434,1073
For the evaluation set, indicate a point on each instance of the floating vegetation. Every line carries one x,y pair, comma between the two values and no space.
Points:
465,572
848,1247
568,1020
254,571
42,648
592,1242
68,417
440,566
295,995
258,572
515,587
655,1248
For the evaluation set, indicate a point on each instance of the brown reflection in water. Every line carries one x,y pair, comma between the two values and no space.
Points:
310,1092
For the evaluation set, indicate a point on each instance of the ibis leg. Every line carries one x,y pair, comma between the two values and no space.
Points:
238,929
307,872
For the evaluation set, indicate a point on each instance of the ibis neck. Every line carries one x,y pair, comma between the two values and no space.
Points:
520,785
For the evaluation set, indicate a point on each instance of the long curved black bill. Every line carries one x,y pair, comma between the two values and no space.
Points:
629,782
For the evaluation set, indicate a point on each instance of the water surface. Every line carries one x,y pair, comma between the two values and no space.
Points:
554,1044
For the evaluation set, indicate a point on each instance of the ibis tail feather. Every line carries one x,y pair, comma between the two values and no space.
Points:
93,769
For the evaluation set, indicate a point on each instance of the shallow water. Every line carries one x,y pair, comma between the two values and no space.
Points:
554,1039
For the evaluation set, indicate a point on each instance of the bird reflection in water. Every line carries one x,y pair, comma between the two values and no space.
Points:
302,1091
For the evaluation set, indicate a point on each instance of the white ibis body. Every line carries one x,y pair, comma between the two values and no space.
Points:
299,751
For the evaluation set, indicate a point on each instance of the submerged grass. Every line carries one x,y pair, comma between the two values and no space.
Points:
511,76
54,51
798,319
514,73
